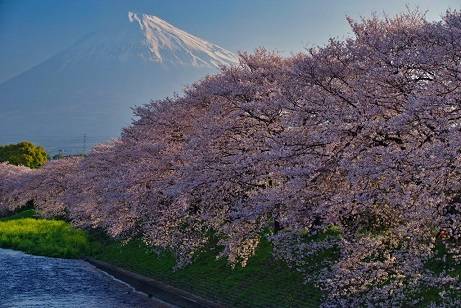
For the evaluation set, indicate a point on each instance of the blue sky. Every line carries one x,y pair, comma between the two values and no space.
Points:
33,30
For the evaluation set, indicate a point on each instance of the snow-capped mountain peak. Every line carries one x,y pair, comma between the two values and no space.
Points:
168,44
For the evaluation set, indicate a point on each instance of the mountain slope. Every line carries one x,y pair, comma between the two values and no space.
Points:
167,43
90,87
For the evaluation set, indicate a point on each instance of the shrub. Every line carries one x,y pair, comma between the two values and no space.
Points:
23,154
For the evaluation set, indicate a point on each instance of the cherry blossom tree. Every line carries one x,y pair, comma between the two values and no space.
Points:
361,136
379,118
12,190
47,186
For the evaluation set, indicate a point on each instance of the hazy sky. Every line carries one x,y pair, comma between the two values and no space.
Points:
33,30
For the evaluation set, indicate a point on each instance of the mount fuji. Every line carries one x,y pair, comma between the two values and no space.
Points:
90,87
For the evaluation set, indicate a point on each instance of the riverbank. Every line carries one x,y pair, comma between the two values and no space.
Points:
50,238
264,282
154,288
35,281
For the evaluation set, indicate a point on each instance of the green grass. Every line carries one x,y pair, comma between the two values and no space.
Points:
264,282
23,214
51,238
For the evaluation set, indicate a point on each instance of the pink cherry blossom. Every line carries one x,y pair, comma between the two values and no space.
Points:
362,134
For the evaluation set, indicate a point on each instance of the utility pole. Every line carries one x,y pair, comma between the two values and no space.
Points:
84,144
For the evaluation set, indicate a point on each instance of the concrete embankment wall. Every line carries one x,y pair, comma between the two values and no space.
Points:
155,288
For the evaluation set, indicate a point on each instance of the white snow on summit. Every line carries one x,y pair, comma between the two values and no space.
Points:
167,43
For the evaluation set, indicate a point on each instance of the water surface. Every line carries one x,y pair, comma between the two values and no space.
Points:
31,281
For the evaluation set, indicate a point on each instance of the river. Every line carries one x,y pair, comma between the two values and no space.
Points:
31,281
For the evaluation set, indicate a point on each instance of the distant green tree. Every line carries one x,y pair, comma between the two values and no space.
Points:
24,153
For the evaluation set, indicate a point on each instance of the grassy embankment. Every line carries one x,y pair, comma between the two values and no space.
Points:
52,238
264,282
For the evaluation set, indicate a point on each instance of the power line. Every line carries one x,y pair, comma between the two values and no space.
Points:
84,144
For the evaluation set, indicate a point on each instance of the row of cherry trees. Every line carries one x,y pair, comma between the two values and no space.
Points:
363,134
